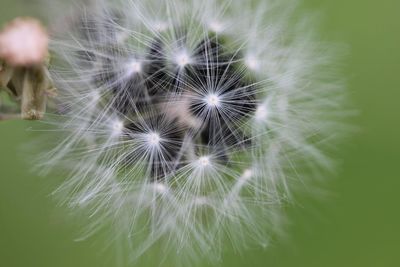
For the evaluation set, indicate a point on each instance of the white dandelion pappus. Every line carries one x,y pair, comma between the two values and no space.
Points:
188,123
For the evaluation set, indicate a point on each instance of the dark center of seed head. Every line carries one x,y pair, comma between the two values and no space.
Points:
144,96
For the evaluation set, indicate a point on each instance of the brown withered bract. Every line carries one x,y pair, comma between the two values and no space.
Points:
24,62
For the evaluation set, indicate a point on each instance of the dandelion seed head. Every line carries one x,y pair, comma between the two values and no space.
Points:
188,123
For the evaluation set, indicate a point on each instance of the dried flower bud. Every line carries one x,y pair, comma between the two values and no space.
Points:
24,42
23,69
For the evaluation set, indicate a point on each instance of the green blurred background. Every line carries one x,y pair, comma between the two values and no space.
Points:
358,226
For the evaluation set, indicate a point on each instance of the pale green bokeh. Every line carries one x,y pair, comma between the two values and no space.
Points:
357,227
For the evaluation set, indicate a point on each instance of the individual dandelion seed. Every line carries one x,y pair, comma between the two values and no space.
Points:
186,124
23,66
